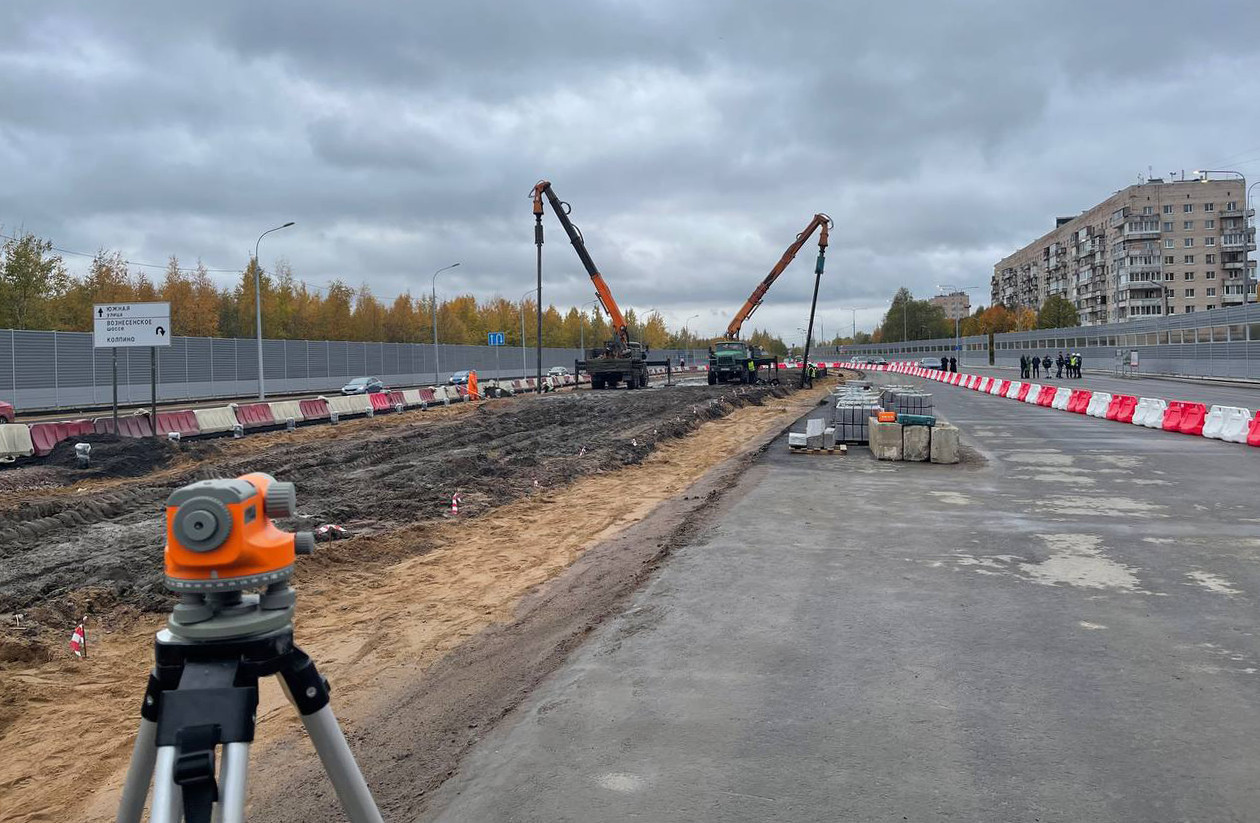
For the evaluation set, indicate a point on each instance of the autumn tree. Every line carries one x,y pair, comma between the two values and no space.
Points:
912,319
1057,313
31,276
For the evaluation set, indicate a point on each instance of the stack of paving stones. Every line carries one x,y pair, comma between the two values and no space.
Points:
907,401
855,405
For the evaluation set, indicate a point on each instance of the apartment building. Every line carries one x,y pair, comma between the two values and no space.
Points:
957,305
1155,248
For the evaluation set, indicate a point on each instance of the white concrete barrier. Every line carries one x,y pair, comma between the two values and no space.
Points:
15,441
1150,412
1061,397
349,405
1237,424
215,420
1012,393
283,410
1034,389
1098,403
412,397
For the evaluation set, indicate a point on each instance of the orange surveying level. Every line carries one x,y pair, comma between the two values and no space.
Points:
219,534
198,714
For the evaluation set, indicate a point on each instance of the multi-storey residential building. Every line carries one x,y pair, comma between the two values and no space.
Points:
1153,248
957,305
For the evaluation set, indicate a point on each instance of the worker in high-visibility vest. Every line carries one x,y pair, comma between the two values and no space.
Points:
752,371
472,386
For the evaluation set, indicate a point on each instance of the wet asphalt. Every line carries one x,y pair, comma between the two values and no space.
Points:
1062,628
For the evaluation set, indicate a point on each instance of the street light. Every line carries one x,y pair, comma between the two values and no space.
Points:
582,326
524,365
437,367
262,394
957,320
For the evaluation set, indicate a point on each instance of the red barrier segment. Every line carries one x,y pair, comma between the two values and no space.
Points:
462,391
316,409
1046,396
1079,401
426,395
1124,412
254,415
183,421
380,402
1193,416
1173,414
45,436
1003,388
1253,431
1023,392
396,399
131,425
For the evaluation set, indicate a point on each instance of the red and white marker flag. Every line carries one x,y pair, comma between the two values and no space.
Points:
78,639
455,503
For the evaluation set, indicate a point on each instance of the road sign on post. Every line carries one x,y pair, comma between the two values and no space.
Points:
496,339
133,325
129,325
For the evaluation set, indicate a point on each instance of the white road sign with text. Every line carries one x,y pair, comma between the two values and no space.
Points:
131,324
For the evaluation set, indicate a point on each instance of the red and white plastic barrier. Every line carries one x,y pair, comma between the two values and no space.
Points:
1230,424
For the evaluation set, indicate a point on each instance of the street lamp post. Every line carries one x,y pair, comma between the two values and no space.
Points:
524,364
262,393
582,326
437,367
957,320
687,335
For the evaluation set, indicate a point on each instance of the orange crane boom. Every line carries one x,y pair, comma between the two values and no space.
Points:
561,210
820,221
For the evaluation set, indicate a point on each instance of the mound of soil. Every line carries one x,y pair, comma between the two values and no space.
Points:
114,456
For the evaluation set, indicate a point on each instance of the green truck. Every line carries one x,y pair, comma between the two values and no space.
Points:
729,359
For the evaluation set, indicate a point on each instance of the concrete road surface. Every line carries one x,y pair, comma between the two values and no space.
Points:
1063,629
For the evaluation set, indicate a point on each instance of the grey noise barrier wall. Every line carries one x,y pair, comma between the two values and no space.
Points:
1223,343
47,370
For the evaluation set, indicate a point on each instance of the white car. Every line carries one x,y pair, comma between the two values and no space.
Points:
557,371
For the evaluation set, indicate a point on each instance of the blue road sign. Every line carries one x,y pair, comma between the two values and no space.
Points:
494,338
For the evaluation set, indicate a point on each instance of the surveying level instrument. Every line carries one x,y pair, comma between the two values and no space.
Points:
203,691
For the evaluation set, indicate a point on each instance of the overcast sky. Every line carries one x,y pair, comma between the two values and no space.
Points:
693,139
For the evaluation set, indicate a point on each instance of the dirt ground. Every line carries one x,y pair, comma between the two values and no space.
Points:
377,610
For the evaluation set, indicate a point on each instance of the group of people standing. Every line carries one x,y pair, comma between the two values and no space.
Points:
949,364
1031,367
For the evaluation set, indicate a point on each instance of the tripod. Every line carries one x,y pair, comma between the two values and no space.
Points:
203,694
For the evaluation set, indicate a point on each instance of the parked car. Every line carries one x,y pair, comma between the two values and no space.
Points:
459,378
929,363
363,385
557,371
6,412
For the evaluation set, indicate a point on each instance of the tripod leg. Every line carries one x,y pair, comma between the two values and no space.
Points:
330,744
233,776
139,774
168,798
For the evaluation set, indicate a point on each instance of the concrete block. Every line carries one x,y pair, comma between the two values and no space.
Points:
944,443
796,440
885,439
829,437
916,443
814,432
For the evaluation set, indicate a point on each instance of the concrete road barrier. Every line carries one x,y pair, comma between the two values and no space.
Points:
944,443
215,420
885,439
15,441
916,443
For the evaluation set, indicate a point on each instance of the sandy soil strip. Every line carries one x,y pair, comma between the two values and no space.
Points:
371,629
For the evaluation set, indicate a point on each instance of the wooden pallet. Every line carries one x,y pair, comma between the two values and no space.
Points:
839,449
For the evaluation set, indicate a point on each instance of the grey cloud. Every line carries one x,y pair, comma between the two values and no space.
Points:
692,139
